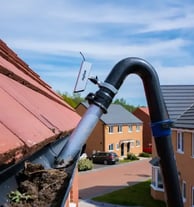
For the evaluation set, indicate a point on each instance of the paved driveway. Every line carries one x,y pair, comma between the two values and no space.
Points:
113,177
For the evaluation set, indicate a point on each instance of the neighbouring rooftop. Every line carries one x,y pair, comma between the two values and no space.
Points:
179,100
117,114
144,110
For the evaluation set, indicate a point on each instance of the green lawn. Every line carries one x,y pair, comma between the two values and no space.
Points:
136,195
124,161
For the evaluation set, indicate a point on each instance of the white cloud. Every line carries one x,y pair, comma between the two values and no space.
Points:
52,71
108,50
106,32
176,75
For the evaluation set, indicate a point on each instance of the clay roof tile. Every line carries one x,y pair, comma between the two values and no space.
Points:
31,113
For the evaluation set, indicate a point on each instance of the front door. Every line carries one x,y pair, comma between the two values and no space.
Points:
128,147
122,149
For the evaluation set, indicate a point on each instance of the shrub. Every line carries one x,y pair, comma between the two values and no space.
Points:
85,164
131,156
144,154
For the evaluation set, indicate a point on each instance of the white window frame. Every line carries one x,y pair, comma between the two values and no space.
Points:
184,191
132,143
137,143
180,142
157,183
192,196
110,129
111,147
192,145
130,128
120,128
117,146
137,127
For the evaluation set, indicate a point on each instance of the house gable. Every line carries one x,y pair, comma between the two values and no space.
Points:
143,114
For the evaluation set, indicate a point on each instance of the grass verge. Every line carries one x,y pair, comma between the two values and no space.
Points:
125,161
136,195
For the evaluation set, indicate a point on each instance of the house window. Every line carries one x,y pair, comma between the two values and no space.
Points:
192,196
120,128
110,129
117,146
192,145
184,191
132,143
130,128
137,127
138,143
111,147
157,183
180,142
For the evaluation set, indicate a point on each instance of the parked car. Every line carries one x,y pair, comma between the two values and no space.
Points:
105,158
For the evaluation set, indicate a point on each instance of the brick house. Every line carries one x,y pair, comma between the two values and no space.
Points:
143,114
179,100
118,130
32,114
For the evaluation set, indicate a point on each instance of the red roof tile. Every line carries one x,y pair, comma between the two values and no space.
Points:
31,114
13,66
9,144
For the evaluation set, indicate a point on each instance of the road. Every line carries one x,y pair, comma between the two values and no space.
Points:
112,177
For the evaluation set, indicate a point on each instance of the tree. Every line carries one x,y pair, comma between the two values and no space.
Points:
73,100
123,103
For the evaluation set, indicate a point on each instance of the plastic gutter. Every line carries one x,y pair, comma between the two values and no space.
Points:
46,157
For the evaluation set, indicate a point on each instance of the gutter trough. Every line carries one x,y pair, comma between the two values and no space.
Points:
64,153
46,157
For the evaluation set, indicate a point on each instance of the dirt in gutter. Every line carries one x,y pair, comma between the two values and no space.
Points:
38,187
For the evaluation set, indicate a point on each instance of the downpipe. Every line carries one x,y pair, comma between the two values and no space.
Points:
161,124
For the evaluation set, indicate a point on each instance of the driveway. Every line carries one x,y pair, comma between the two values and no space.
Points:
112,177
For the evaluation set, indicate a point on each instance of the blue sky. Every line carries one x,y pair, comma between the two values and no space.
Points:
48,36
